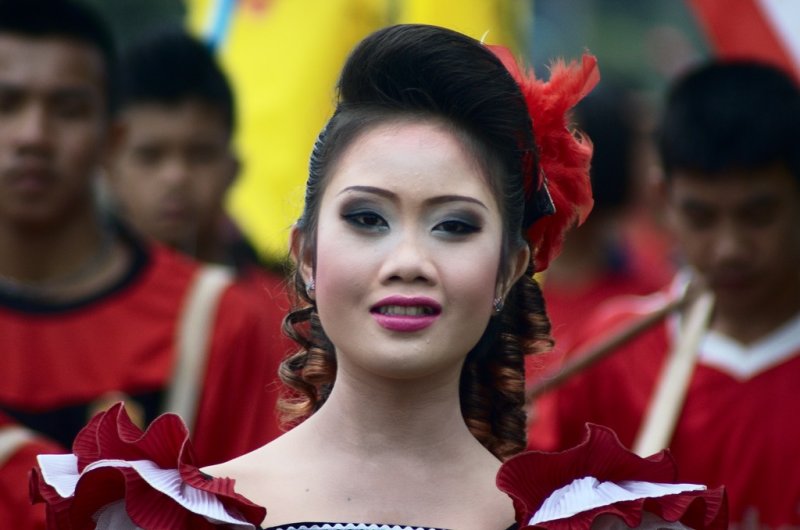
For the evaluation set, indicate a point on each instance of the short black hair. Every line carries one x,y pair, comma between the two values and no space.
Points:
63,18
606,116
729,115
169,67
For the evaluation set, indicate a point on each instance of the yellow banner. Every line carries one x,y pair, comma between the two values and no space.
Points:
283,58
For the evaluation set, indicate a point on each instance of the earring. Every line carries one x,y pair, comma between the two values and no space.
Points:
310,287
498,304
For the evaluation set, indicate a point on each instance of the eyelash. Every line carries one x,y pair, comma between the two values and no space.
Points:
358,218
373,222
458,227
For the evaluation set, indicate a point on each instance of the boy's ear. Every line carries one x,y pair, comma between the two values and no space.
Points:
116,137
233,169
660,188
301,254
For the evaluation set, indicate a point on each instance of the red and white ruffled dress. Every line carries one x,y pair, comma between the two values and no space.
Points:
600,484
121,478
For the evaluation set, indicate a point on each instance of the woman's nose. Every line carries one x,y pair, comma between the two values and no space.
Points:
409,260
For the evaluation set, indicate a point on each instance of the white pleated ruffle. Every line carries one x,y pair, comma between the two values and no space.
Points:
588,493
61,472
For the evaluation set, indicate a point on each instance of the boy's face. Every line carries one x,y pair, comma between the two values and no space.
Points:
53,127
740,232
170,168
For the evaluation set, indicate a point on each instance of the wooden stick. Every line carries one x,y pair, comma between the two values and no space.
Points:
665,407
12,438
586,358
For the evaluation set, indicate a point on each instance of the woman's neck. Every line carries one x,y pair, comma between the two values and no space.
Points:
372,415
378,451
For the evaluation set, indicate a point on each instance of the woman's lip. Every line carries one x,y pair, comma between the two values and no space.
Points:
409,301
405,323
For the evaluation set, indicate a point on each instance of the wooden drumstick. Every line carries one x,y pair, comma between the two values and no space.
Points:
586,358
665,407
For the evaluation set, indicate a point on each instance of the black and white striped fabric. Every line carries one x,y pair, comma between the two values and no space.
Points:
347,526
354,526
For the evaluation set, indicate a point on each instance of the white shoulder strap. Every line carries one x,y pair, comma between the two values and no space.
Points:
665,407
12,438
194,333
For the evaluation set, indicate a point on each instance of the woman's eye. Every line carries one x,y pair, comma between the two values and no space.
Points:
456,227
367,220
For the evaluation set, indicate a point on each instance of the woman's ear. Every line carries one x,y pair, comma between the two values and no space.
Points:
301,254
517,264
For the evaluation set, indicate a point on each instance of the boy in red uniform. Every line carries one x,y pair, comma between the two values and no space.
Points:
88,311
172,163
730,144
598,260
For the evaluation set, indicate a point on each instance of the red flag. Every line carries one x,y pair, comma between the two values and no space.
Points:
767,30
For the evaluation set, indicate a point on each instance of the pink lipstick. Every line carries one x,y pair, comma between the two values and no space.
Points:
406,313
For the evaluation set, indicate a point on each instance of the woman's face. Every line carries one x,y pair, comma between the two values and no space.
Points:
408,249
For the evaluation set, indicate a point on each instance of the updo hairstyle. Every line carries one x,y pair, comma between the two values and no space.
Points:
420,72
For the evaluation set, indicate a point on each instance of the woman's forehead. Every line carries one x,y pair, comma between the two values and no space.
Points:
421,157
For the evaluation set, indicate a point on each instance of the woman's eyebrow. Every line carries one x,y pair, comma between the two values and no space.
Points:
439,199
370,189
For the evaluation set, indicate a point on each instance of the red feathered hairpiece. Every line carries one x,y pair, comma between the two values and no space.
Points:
564,158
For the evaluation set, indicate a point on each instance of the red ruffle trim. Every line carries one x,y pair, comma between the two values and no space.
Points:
112,435
530,478
564,157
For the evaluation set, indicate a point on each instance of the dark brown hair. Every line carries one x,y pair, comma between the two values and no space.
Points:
431,73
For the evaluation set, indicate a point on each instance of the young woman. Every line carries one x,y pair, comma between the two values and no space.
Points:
426,214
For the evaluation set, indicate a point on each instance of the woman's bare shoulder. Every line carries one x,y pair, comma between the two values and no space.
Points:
273,460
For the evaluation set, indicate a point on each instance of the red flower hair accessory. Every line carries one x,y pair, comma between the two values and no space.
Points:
564,158
570,490
121,475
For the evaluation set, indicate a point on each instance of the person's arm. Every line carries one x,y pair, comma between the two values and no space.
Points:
19,448
237,407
